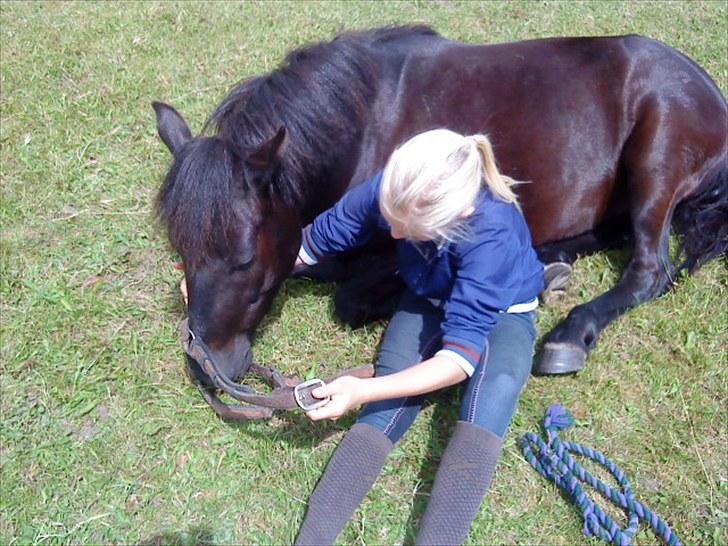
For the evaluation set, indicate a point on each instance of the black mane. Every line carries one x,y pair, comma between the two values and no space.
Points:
321,94
195,203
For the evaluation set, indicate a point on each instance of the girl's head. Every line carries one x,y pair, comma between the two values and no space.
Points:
431,182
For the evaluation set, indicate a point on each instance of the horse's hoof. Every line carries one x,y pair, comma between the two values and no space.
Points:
556,276
560,358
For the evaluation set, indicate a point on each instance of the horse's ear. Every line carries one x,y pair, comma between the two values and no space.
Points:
172,127
268,155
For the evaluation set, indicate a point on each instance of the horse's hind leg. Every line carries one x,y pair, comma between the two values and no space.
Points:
647,275
658,174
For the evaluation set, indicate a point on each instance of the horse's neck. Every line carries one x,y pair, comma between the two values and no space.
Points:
359,148
324,187
325,183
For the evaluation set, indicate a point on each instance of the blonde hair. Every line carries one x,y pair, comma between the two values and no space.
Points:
432,180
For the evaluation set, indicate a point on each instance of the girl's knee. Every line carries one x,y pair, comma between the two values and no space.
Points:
519,375
492,407
508,385
510,373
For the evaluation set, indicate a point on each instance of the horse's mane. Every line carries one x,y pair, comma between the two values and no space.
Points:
320,93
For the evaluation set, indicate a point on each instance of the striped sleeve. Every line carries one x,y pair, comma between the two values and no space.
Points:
484,287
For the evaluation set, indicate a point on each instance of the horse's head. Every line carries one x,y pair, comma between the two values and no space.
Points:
237,237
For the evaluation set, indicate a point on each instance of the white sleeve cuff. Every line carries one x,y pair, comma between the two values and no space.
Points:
306,257
457,359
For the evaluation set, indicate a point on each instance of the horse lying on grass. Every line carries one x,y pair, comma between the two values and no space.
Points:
619,139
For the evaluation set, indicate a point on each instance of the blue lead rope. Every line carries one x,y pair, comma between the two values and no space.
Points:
554,461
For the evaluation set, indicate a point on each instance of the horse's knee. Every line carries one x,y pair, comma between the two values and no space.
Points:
368,297
556,277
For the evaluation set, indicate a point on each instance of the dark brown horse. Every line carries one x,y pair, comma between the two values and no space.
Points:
619,138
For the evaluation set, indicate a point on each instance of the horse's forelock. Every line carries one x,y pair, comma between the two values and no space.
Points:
195,201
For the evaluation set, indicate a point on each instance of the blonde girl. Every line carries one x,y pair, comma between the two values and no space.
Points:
467,316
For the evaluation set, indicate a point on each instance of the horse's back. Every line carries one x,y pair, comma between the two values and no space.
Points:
541,85
559,111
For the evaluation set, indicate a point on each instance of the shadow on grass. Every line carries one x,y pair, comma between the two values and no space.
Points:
196,536
293,428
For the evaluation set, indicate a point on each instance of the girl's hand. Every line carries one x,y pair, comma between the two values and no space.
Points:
183,289
346,393
298,266
179,266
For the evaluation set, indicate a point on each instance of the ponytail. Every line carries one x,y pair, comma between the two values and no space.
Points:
498,183
431,180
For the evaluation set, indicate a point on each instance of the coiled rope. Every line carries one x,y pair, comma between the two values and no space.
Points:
554,461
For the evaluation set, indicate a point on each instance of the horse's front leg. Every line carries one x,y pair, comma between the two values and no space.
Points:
566,347
648,274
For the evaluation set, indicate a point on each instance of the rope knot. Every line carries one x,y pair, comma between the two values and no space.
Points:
557,418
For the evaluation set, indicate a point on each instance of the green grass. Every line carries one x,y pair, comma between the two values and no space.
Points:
104,440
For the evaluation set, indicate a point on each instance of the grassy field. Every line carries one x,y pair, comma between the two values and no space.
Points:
103,439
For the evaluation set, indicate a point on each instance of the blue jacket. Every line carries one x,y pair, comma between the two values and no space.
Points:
487,274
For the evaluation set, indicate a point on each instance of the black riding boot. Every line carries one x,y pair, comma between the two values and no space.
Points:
462,479
348,477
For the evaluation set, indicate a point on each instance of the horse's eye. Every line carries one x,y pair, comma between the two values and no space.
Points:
242,266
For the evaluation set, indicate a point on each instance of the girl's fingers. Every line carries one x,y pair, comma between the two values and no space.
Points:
317,414
329,411
179,266
183,289
322,392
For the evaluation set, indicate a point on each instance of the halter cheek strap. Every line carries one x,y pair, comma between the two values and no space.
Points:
262,405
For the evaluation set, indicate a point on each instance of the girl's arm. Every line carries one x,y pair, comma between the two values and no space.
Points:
349,223
349,392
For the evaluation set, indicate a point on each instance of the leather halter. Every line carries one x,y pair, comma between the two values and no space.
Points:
261,405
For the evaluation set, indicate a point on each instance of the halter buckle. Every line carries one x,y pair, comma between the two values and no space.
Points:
304,397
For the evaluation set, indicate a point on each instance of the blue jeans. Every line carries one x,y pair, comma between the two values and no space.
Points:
491,393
